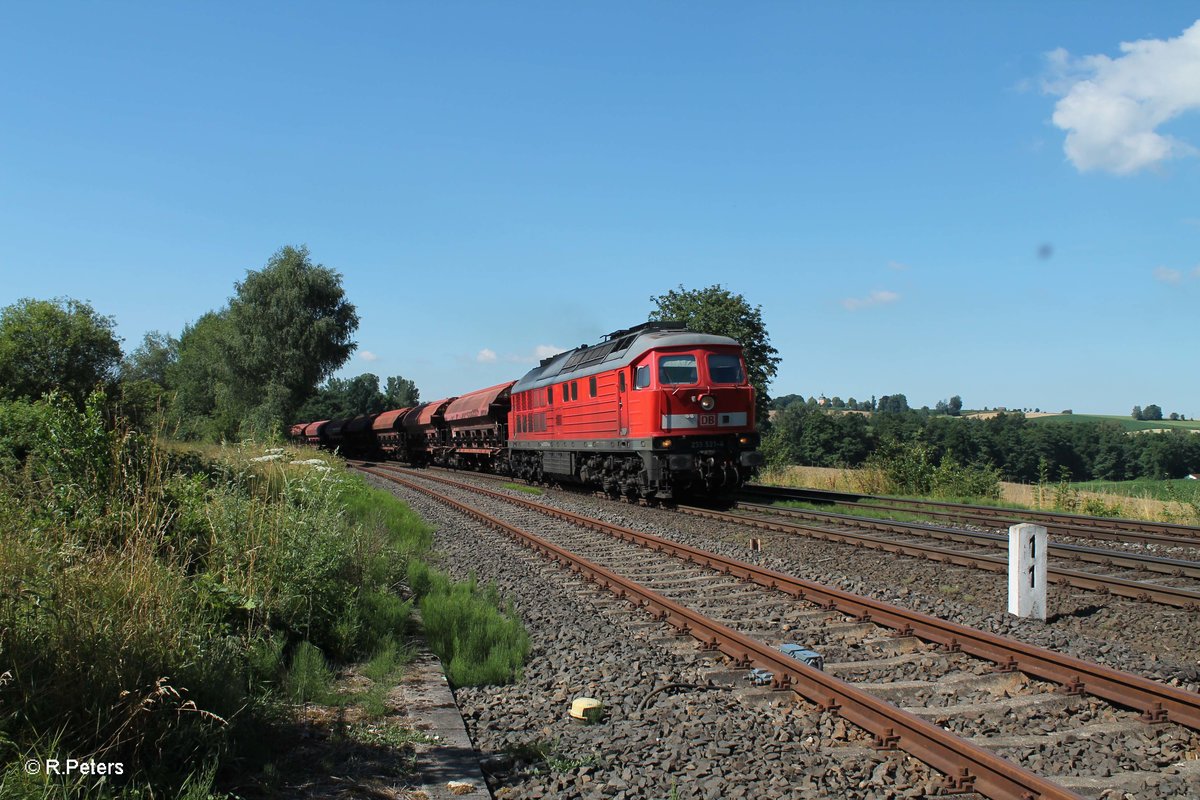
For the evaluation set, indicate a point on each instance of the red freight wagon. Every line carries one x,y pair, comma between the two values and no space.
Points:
654,410
388,428
426,431
312,432
477,427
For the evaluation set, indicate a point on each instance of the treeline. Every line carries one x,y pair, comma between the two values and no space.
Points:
1020,449
240,372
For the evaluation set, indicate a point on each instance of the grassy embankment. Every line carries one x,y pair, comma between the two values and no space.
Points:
168,609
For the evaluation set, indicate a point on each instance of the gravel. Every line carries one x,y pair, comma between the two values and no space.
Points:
676,729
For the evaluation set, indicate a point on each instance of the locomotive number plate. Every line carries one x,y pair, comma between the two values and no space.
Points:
708,419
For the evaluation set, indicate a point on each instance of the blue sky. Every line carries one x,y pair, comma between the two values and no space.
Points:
997,201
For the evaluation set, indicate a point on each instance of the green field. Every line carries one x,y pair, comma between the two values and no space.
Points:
1127,422
1181,490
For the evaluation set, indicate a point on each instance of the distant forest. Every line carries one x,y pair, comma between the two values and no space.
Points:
1023,451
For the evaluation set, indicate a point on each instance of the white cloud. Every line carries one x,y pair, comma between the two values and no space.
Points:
489,356
367,355
1167,275
1111,107
879,297
1196,271
539,352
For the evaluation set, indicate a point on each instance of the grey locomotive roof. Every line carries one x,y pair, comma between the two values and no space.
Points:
619,349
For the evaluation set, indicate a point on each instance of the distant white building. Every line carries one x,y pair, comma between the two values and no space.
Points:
1193,477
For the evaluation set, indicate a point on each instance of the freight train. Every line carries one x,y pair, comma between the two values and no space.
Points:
655,411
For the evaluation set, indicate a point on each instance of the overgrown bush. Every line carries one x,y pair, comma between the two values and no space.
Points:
907,468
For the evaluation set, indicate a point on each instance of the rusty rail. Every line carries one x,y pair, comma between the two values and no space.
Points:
1094,555
967,766
1134,590
1080,525
1157,701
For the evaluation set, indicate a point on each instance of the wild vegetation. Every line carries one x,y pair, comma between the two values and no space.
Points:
166,606
161,606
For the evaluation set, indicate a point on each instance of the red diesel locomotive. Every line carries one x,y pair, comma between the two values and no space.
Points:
654,411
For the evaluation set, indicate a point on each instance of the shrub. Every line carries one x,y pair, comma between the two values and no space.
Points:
907,468
478,641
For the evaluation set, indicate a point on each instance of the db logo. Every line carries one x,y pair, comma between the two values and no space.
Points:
708,419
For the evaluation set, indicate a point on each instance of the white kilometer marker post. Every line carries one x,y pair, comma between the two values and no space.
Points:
1027,545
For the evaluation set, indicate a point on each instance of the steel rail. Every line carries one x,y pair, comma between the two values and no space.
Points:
1134,590
1094,555
1158,702
1059,521
966,766
1002,520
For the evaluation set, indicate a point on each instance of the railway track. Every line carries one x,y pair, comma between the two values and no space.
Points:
1060,523
882,648
1128,573
986,552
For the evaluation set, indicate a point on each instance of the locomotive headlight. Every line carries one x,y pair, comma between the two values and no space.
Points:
708,402
743,440
664,442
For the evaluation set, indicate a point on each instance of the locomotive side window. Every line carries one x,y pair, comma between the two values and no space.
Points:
677,369
574,390
642,379
592,386
566,396
725,368
549,395
621,381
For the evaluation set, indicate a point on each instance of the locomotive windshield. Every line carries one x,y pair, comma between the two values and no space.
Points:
677,370
725,368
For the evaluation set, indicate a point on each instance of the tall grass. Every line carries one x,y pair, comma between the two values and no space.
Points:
151,600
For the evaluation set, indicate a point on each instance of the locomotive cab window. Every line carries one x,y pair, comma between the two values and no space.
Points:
642,379
674,370
574,390
725,368
566,395
592,386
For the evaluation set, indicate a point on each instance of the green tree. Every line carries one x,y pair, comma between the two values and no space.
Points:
290,327
151,359
955,406
60,344
718,311
401,392
363,395
203,405
345,398
1152,412
892,404
1137,412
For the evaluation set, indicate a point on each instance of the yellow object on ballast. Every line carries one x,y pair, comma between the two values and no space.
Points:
587,709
